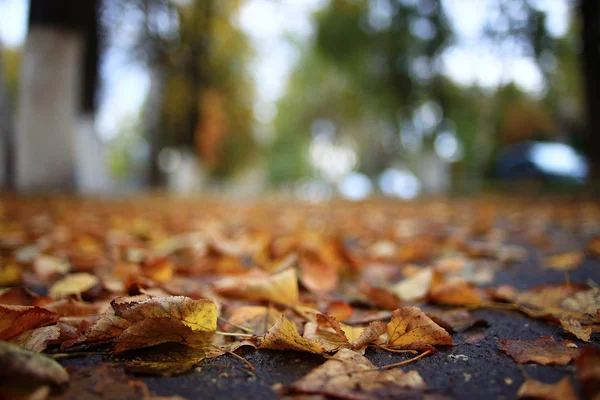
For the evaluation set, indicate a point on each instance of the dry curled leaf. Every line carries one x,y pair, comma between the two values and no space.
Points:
409,325
17,319
279,288
540,351
284,336
348,375
574,327
561,390
153,321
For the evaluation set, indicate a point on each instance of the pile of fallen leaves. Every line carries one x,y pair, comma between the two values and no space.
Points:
187,280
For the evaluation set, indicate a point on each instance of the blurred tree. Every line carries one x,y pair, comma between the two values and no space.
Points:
590,60
201,93
57,83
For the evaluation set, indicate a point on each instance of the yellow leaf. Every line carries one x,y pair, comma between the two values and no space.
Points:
73,284
564,261
284,336
279,288
410,325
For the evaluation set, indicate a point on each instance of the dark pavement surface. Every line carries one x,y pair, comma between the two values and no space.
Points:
466,371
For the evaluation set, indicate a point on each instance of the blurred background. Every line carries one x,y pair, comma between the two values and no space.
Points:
314,99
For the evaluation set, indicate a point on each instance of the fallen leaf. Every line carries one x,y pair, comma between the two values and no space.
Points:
410,325
73,284
593,246
284,336
348,375
574,327
564,261
456,292
316,275
46,267
588,370
415,287
17,319
22,297
103,382
10,274
279,288
166,359
365,335
340,310
457,320
152,321
475,338
258,319
327,337
19,366
36,339
561,390
542,351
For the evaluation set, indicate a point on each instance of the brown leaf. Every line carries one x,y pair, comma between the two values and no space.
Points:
279,288
258,319
22,297
103,382
574,327
456,292
340,310
457,320
564,261
367,335
327,337
410,325
349,375
588,369
17,319
36,339
561,390
540,351
153,321
316,275
167,359
19,366
284,336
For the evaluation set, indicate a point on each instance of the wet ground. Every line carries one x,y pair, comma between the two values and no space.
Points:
466,371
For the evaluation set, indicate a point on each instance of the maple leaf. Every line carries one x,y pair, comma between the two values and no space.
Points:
348,375
284,336
73,284
540,351
279,288
17,319
409,326
561,390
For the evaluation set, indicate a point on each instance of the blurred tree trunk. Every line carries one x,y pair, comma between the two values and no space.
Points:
590,38
50,94
6,135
